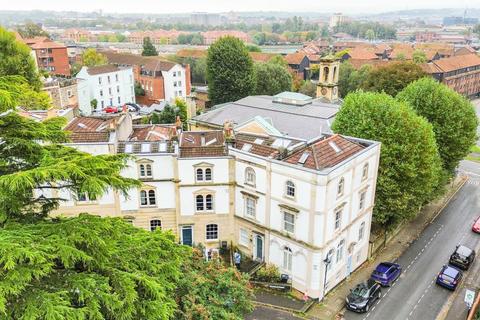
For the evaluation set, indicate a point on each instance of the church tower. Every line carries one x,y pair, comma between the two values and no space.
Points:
327,87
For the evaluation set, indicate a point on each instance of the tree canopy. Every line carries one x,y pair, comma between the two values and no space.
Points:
15,59
393,77
452,116
350,79
410,166
271,79
148,48
91,58
31,30
230,72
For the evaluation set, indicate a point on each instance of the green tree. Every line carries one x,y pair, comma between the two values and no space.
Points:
392,78
181,106
476,29
308,88
223,294
94,104
419,56
253,48
452,116
16,92
15,59
230,73
278,59
91,58
400,56
139,91
350,79
370,35
271,79
410,166
31,30
148,48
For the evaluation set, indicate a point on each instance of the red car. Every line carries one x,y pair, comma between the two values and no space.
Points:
476,226
110,109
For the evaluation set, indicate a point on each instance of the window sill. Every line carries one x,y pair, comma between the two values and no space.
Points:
86,203
205,212
211,240
148,206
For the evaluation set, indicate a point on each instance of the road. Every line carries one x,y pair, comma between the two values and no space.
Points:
415,296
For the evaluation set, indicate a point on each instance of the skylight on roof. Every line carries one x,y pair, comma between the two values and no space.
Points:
81,125
211,141
128,148
303,158
145,147
280,143
189,139
246,147
334,146
258,141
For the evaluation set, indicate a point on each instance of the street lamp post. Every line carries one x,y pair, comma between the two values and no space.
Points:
327,262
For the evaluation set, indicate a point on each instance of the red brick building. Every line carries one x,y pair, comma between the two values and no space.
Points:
51,56
461,73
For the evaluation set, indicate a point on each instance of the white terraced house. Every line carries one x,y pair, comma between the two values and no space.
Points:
305,206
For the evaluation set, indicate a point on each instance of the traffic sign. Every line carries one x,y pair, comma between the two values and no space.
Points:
469,297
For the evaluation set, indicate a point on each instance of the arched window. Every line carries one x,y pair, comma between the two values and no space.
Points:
148,169
250,176
365,171
208,202
287,258
147,198
154,224
361,231
145,170
143,198
340,187
334,74
325,74
208,174
199,201
211,232
290,189
199,174
340,248
151,197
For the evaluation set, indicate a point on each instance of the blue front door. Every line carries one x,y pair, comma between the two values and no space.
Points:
187,235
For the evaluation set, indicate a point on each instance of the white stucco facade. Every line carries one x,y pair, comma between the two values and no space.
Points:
113,87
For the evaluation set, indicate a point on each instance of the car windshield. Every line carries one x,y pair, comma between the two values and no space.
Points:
360,291
379,274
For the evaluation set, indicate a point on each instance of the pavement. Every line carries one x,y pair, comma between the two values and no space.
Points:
265,313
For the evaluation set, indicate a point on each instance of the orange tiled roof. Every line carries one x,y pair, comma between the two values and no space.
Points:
362,53
295,58
153,132
457,62
262,56
90,129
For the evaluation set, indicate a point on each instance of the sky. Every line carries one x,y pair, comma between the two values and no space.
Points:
183,6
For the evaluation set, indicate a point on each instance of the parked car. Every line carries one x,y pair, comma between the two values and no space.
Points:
133,107
386,273
449,277
363,296
110,109
476,226
462,257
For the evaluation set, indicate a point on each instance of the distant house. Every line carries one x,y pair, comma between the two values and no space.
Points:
212,36
109,85
51,56
160,79
461,73
299,64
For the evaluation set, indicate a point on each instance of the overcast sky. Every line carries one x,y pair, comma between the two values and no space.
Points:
182,6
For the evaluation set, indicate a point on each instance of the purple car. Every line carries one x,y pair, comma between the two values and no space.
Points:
386,273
